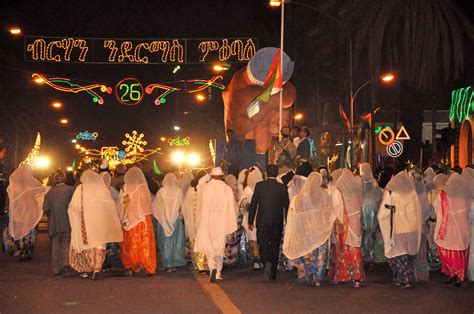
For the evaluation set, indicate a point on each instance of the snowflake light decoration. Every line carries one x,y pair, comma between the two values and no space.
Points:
134,143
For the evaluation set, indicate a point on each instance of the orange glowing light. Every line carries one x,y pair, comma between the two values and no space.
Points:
298,116
64,121
388,77
57,105
14,30
200,97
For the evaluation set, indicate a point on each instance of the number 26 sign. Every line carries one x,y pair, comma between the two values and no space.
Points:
129,91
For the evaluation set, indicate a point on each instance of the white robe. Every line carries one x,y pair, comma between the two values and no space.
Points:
218,218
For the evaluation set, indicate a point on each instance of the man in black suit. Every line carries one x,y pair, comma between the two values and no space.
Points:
271,199
303,151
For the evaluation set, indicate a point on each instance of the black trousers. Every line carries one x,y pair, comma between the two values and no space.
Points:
269,240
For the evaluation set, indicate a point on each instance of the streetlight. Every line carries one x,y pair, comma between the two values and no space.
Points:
178,157
163,139
74,141
298,116
388,77
15,30
64,121
200,97
57,105
194,159
220,67
176,128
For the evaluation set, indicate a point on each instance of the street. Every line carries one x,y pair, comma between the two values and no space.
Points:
30,287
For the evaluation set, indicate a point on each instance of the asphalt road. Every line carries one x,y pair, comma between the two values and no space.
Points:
30,287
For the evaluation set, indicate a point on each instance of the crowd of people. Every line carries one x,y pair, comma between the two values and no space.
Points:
325,225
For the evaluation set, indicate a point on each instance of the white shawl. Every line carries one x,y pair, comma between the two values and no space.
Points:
310,219
25,195
371,192
167,203
253,178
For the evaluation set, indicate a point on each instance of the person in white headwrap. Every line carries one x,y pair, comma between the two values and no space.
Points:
347,262
25,209
169,227
107,177
400,222
242,180
452,233
421,263
233,240
185,181
138,249
334,177
468,175
371,195
191,214
246,197
94,222
301,174
308,228
218,219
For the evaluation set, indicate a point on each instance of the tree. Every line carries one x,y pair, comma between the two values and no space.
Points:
422,39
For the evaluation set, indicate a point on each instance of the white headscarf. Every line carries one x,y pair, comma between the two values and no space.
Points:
371,192
335,176
347,198
310,219
107,180
454,221
231,181
468,175
25,195
138,206
167,204
295,185
406,233
99,214
185,182
440,180
246,197
420,188
428,179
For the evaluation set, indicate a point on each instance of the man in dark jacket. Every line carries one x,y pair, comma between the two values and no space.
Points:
56,203
271,199
303,150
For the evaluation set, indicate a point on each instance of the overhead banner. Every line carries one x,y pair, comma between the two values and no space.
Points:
138,51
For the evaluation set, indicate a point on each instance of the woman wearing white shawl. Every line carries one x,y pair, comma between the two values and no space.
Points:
347,262
400,222
468,175
94,222
335,175
371,195
107,180
191,213
25,209
246,197
112,249
185,181
169,227
233,240
138,249
452,232
308,228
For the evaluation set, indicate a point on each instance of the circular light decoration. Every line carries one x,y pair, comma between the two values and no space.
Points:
395,149
121,154
129,91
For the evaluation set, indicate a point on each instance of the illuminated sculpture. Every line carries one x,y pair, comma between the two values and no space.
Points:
248,87
34,151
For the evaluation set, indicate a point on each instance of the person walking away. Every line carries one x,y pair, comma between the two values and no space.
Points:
94,222
191,210
308,229
252,179
217,220
400,223
25,209
452,233
112,253
55,205
271,199
347,262
233,240
468,175
371,195
169,228
138,249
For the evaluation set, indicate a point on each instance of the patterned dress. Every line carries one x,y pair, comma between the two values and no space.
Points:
403,268
23,247
312,265
87,261
138,248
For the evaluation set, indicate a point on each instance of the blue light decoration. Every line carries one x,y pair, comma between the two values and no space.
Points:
312,147
121,155
87,136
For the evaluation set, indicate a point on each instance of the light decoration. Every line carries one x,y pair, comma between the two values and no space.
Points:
87,136
134,143
170,51
65,85
129,91
40,50
226,50
380,128
161,99
207,83
312,148
212,150
34,151
178,157
179,141
156,169
462,103
121,155
109,153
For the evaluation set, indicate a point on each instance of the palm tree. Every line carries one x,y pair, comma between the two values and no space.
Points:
422,39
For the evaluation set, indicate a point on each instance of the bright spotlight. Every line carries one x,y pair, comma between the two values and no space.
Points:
73,140
42,162
178,157
177,128
194,159
15,30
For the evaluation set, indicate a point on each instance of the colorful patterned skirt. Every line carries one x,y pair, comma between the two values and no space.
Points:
232,245
346,261
138,249
454,262
199,259
403,269
312,265
87,261
23,247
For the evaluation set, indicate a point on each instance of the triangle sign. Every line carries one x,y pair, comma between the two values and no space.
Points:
402,134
